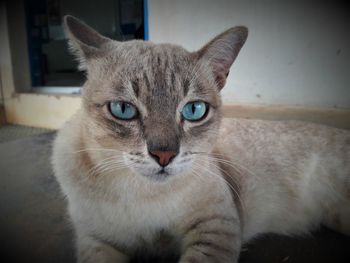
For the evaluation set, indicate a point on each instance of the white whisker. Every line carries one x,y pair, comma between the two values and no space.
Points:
235,165
222,178
97,149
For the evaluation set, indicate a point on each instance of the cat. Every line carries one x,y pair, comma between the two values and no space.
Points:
152,172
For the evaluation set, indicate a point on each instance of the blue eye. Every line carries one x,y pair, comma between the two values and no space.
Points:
194,111
122,110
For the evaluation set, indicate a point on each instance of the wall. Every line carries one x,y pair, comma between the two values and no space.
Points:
297,52
41,110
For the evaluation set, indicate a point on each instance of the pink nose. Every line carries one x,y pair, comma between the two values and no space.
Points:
163,157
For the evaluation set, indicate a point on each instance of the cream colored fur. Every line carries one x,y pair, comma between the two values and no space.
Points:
230,181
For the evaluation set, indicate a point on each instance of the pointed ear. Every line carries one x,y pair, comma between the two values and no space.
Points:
84,42
222,51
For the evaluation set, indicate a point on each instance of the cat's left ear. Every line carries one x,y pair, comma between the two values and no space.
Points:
222,51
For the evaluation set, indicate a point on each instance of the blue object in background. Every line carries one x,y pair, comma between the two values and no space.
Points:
145,19
35,10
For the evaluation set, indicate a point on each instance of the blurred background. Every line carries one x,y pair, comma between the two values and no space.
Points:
295,62
294,65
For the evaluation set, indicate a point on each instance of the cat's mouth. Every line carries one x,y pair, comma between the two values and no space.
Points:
162,171
160,175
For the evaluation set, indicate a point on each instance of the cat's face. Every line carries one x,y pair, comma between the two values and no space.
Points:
158,105
161,88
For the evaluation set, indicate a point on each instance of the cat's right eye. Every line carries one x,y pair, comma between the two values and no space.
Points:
122,110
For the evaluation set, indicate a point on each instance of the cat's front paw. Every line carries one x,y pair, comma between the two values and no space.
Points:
93,251
208,252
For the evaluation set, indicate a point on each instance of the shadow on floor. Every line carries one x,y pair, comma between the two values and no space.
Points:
33,223
34,226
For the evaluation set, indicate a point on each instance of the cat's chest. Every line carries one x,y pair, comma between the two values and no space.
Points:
134,222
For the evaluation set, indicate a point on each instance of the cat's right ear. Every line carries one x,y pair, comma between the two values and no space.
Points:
222,51
84,42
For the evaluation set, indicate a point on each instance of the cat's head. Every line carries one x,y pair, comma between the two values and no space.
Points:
158,105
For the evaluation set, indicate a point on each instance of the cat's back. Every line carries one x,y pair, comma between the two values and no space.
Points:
246,134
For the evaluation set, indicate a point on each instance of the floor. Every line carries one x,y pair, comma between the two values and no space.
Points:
14,132
34,226
33,221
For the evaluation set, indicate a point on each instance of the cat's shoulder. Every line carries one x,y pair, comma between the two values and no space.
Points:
67,140
70,130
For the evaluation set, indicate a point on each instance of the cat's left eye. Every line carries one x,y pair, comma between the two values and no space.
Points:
122,110
194,111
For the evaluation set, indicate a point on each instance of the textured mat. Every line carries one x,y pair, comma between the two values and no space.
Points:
33,221
14,132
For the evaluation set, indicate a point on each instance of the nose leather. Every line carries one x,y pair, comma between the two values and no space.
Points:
163,157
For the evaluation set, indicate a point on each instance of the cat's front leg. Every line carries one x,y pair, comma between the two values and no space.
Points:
215,238
94,251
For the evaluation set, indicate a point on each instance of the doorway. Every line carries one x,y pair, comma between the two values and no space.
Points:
52,67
